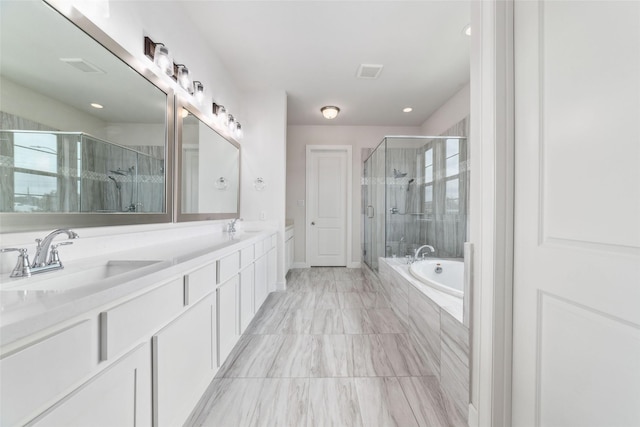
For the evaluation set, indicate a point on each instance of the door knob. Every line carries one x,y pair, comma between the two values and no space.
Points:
313,223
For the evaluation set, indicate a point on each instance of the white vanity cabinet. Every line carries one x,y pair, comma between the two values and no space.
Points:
260,281
118,396
228,308
247,298
184,362
289,249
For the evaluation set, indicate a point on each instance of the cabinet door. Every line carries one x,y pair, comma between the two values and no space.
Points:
228,333
247,309
261,290
118,396
184,363
272,269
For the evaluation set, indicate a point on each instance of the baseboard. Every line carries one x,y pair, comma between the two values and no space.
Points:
355,264
281,286
300,265
473,416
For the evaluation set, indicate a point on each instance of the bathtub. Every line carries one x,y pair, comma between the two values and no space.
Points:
450,280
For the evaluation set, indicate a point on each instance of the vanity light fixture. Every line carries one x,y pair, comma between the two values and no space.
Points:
184,78
231,125
239,132
330,112
198,90
221,114
160,55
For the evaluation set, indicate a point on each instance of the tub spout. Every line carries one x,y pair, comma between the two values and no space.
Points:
417,253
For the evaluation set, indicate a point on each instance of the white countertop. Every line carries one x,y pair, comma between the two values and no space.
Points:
25,311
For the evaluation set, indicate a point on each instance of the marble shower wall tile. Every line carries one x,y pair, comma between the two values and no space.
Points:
424,325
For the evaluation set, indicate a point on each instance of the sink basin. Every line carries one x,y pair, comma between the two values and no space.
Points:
76,276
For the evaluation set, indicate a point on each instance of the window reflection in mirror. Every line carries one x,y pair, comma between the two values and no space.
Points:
80,130
209,171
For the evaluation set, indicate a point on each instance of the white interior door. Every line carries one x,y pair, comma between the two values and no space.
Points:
576,312
327,206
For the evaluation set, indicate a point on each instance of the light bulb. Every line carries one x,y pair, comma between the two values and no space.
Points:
162,59
239,132
184,78
199,91
231,125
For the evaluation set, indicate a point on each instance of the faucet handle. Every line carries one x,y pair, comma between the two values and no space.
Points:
22,268
54,258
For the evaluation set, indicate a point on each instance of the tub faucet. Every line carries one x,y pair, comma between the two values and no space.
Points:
42,251
417,253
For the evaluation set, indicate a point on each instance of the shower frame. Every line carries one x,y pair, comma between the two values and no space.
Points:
395,217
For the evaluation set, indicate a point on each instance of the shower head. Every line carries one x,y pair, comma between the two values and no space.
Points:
398,174
411,180
118,172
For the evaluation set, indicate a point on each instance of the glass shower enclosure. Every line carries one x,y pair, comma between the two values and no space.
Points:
415,192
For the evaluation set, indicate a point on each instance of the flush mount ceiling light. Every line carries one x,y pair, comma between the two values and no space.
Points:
467,30
407,109
330,112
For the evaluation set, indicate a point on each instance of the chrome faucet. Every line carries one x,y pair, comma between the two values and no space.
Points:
417,253
232,225
44,259
42,251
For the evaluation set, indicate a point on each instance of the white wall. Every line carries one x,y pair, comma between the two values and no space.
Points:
359,137
263,152
451,112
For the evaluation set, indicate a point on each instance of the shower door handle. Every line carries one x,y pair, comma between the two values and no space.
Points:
370,211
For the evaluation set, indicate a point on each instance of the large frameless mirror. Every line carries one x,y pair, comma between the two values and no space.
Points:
208,169
84,133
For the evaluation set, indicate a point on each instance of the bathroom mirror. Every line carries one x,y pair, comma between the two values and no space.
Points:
84,128
208,168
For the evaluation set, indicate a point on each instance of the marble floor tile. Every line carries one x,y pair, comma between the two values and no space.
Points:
383,403
331,357
333,402
299,284
294,358
357,321
295,321
257,357
327,300
327,321
233,403
385,321
369,357
300,301
402,354
373,300
323,285
350,300
425,398
266,321
345,286
282,402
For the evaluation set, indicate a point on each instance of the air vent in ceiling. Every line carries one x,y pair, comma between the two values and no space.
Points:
82,65
369,71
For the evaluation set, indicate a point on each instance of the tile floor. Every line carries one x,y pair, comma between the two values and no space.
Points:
328,352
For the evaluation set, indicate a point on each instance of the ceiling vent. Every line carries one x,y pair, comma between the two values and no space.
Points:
369,71
82,65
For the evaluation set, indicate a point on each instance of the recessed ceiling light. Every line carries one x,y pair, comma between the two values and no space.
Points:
467,30
96,105
407,109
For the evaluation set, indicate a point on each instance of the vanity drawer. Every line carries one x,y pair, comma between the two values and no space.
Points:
199,283
123,325
247,256
41,372
228,267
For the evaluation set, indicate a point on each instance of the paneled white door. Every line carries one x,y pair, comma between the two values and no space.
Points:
576,312
327,206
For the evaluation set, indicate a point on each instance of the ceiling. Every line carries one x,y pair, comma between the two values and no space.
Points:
312,50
